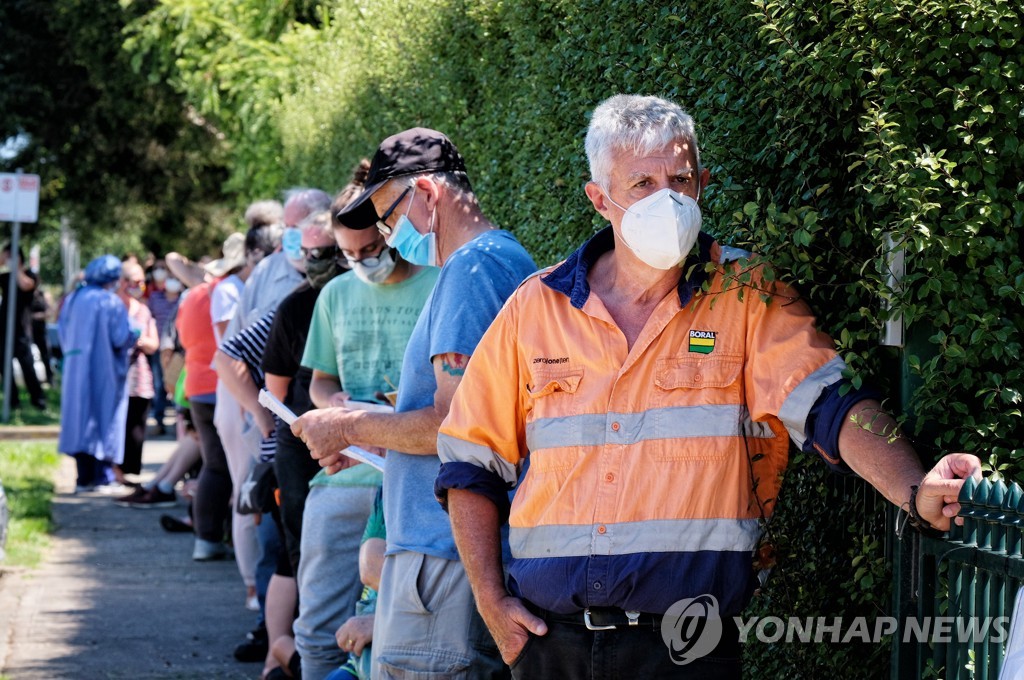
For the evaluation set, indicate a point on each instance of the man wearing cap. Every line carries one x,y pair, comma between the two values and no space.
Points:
418,195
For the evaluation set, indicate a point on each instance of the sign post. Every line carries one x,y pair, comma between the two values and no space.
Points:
19,202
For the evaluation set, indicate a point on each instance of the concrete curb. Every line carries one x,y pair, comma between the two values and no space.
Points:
28,432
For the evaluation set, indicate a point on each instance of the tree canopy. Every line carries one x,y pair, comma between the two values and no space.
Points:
125,157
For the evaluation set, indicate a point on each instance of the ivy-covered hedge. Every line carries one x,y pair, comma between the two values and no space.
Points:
826,126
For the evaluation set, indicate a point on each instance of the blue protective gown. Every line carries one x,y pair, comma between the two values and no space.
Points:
95,339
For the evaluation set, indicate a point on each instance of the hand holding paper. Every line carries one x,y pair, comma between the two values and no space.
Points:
327,457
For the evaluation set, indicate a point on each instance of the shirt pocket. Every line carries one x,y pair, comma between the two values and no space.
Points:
545,382
552,421
683,380
698,407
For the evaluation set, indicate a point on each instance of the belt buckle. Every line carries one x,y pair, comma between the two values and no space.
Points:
632,616
591,626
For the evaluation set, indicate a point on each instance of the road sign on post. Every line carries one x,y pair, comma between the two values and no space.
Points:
19,197
19,202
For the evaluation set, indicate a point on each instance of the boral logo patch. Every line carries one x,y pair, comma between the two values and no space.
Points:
702,341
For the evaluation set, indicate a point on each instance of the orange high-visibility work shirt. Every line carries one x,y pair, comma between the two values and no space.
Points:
651,468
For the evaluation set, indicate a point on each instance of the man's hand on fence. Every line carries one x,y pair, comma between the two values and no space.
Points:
937,495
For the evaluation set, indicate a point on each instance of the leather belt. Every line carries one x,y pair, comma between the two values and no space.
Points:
606,618
612,618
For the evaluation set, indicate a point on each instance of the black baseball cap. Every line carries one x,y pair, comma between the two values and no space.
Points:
410,152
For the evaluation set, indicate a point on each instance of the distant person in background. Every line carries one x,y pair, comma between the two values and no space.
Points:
274,277
140,376
162,292
262,239
40,309
213,494
96,338
27,282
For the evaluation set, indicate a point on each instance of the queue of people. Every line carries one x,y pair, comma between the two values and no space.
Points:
566,453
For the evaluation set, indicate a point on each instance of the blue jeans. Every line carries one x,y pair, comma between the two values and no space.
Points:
270,546
160,396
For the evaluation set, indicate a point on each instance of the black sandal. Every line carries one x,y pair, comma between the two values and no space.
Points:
175,525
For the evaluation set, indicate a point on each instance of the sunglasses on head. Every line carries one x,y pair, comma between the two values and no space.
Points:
320,253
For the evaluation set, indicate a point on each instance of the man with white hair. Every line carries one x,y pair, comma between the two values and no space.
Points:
655,407
281,271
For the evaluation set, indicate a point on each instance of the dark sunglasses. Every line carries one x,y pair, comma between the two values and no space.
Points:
320,253
382,225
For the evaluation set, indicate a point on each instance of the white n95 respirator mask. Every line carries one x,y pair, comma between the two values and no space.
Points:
661,228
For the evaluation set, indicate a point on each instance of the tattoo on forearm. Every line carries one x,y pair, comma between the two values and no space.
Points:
454,364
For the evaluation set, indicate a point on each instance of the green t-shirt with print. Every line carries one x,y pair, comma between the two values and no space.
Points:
359,330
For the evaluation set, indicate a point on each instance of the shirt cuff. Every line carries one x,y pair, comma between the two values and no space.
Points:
826,419
458,475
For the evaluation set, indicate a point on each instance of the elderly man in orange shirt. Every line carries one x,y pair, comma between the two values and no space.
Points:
655,407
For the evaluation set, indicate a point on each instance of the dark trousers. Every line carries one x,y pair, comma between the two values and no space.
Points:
92,472
570,650
23,355
212,502
294,468
135,435
40,340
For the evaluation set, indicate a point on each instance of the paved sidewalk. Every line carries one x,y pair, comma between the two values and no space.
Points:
117,597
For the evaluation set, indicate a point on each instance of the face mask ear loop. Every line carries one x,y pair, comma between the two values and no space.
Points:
430,229
608,194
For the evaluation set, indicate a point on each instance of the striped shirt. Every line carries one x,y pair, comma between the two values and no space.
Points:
247,346
162,309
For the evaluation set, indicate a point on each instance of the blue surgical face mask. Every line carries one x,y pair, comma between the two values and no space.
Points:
413,246
291,244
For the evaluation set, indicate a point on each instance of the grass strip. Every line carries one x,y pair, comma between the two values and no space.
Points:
26,472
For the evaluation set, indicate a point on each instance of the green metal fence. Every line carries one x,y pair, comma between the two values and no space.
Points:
953,596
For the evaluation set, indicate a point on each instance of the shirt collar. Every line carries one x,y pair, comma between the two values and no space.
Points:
570,277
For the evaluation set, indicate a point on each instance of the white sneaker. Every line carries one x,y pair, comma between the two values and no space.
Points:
208,551
114,489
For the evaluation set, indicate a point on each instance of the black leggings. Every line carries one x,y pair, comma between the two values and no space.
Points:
212,503
135,435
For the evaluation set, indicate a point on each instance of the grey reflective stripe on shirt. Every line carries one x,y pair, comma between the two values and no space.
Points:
627,538
800,401
453,450
674,422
